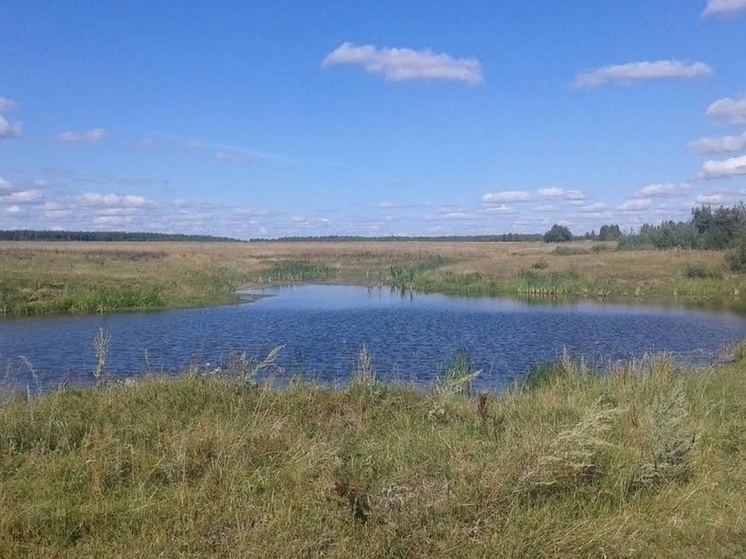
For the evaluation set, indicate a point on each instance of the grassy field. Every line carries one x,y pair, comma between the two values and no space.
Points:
646,462
77,277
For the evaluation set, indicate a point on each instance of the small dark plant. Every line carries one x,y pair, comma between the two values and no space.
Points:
357,499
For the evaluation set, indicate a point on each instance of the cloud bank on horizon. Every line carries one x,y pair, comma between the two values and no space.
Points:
345,121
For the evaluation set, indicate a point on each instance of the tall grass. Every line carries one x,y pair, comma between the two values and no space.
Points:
646,461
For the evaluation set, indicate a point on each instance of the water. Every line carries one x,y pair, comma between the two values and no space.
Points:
411,338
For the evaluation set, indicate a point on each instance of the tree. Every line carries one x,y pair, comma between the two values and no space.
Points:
609,233
558,234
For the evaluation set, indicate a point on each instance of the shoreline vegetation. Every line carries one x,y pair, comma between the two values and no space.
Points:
646,460
63,277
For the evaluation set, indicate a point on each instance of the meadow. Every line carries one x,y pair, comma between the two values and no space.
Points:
647,461
91,277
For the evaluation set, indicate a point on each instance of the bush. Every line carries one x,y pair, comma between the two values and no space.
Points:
735,258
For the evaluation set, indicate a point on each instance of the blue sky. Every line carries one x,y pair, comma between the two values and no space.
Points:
265,119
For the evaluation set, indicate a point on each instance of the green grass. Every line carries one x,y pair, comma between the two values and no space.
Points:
648,461
297,271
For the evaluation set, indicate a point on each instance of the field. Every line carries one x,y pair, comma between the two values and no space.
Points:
77,277
647,462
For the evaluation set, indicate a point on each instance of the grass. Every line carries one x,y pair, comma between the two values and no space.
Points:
70,277
647,461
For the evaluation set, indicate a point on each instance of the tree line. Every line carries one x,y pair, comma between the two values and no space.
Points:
103,236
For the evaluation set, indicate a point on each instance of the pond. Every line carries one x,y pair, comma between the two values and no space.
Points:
411,337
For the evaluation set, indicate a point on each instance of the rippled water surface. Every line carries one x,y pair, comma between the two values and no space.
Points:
324,327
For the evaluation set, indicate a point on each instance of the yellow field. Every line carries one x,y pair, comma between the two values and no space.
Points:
39,277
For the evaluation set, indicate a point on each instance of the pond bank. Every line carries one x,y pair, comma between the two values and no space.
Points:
647,462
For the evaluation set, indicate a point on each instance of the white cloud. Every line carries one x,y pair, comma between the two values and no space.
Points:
401,64
22,197
642,71
461,216
231,157
5,186
636,205
94,199
92,136
555,193
386,206
723,144
666,190
710,199
111,221
506,196
7,105
732,110
594,208
501,209
8,130
724,7
724,168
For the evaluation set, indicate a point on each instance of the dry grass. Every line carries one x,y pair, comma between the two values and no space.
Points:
38,277
647,462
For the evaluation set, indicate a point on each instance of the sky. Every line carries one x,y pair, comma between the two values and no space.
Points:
308,118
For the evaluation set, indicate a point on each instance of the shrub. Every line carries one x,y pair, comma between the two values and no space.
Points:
735,258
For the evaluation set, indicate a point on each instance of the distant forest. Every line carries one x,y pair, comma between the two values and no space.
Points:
721,229
505,238
29,235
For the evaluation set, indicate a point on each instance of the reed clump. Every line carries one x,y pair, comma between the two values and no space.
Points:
644,460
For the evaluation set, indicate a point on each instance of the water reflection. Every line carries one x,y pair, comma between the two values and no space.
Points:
410,336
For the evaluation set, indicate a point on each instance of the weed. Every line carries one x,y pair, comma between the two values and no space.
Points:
364,373
101,343
458,377
573,458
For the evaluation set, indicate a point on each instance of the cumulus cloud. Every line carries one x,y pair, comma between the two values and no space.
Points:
97,200
555,193
594,208
7,105
93,136
642,71
715,169
732,110
23,197
636,205
723,144
5,186
723,7
506,196
666,190
8,129
402,64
